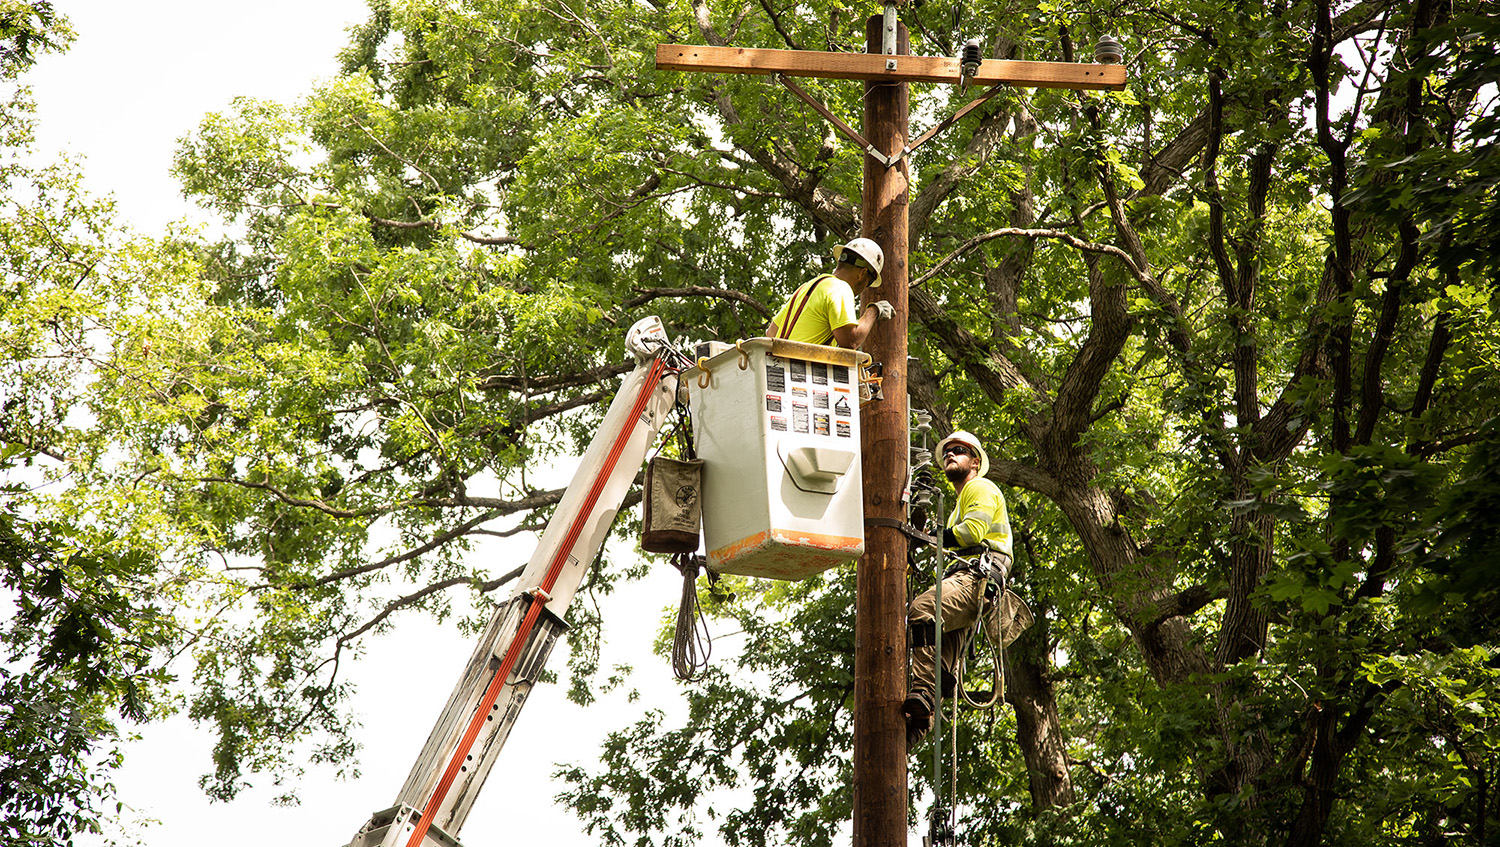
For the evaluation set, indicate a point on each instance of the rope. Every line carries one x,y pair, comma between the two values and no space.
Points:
691,645
997,652
953,770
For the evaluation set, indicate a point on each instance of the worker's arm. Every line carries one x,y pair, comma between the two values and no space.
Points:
850,336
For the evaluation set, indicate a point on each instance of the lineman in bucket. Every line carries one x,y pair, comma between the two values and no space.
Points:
977,547
824,310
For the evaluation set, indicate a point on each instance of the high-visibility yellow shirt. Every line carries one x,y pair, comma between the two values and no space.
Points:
829,306
979,517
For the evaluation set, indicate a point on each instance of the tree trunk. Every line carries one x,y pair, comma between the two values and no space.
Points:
1028,689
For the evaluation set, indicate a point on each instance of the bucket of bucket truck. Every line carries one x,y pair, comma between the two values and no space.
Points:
776,424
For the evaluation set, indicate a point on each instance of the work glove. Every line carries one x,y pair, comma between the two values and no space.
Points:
884,309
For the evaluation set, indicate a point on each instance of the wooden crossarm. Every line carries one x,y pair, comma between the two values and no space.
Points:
868,66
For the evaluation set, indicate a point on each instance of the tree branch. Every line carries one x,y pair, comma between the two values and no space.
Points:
1065,237
993,373
426,223
646,295
541,385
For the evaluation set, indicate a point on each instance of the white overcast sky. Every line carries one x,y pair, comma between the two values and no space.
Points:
139,77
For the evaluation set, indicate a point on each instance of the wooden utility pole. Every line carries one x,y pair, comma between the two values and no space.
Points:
880,774
880,778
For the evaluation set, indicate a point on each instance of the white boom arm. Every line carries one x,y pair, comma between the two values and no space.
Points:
478,717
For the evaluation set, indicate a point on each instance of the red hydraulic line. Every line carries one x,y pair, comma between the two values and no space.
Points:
492,692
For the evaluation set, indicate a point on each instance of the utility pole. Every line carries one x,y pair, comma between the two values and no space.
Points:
880,778
880,772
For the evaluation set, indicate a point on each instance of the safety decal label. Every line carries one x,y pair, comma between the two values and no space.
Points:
775,375
799,417
813,398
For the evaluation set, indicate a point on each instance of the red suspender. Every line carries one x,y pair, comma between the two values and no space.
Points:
786,331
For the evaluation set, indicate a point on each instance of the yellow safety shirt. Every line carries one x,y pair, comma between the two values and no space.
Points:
830,305
979,517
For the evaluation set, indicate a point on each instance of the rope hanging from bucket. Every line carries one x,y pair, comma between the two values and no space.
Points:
691,644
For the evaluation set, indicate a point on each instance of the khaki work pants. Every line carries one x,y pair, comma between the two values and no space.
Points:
962,602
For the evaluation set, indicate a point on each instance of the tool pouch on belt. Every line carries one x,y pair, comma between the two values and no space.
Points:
1008,618
673,505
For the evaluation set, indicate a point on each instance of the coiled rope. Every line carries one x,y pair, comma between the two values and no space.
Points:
691,644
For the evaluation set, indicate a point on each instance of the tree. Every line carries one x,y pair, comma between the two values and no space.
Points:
81,637
79,650
1234,359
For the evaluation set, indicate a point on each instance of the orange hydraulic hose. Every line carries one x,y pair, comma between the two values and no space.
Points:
492,692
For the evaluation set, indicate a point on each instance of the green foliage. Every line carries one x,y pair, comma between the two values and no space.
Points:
775,729
77,650
28,29
82,641
1228,334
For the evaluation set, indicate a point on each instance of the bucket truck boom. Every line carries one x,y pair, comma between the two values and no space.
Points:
478,717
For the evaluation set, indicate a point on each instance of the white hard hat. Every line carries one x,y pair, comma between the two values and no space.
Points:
869,252
967,439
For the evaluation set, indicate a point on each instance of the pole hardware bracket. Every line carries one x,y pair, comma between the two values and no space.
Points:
849,132
853,135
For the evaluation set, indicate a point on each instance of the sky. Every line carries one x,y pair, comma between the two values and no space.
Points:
139,77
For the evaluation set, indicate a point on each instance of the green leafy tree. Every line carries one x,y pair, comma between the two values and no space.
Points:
79,650
81,643
1229,334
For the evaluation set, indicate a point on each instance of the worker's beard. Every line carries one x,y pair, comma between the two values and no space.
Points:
957,476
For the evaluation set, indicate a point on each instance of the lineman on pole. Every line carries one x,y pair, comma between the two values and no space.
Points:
824,310
977,544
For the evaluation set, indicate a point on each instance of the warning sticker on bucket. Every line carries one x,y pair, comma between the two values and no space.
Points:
775,374
812,398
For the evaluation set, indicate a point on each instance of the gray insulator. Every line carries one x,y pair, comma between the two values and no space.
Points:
971,58
1108,51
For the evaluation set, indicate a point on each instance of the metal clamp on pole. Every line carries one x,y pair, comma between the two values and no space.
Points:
888,36
904,528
